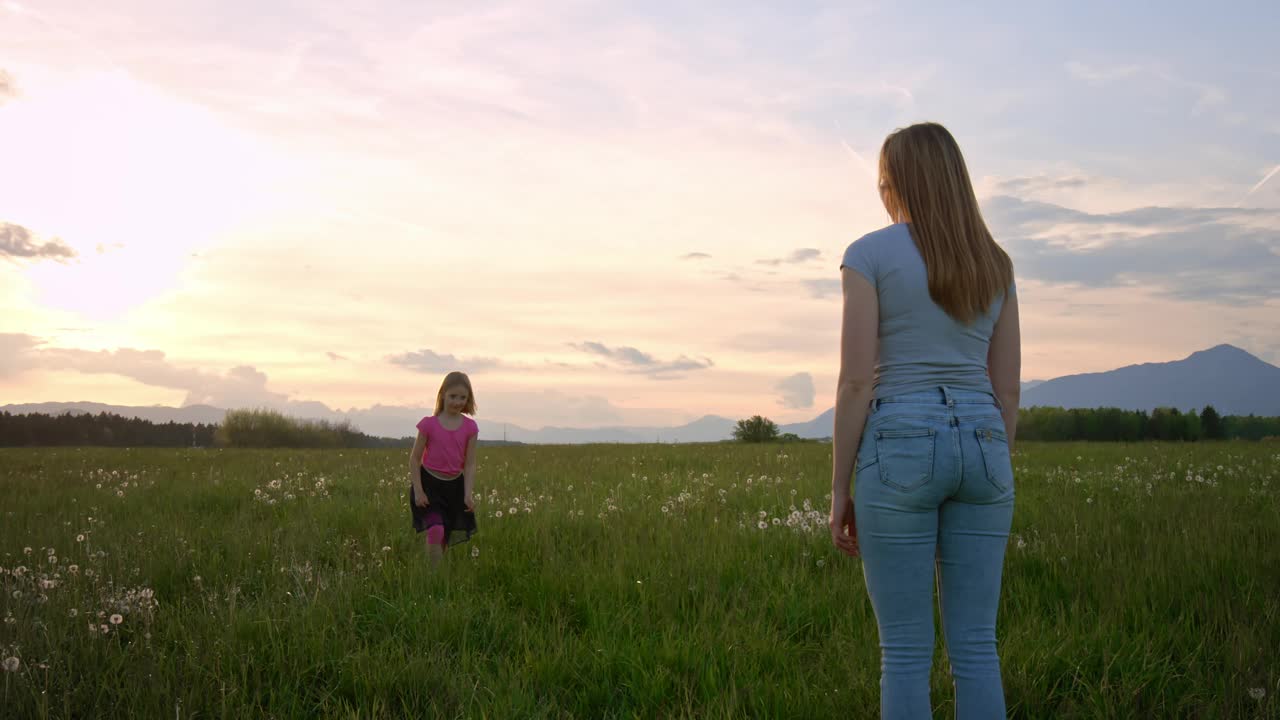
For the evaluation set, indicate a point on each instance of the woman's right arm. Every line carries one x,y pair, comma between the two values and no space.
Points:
1004,363
415,462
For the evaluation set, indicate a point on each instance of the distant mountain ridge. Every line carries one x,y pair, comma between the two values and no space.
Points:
1232,380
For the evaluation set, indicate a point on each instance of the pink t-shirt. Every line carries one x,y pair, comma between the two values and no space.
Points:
446,449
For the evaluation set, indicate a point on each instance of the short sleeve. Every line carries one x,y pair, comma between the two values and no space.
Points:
472,428
859,257
423,425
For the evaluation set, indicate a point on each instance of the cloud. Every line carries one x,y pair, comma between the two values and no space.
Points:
1223,255
242,386
1039,183
427,361
637,361
695,256
1099,75
797,256
7,87
822,287
797,391
17,241
1150,76
15,349
799,337
335,356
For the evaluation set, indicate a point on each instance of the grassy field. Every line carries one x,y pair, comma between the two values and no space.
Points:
1142,581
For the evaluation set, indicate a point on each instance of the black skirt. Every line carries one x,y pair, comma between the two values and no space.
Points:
446,507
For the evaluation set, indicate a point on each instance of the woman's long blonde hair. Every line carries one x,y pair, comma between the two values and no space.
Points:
455,379
924,182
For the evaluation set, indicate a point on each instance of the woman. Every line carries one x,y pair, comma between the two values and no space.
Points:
926,409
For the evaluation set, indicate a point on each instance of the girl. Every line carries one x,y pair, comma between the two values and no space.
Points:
442,468
925,416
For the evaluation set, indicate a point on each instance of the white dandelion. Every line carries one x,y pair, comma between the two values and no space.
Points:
11,664
475,551
762,525
498,514
80,537
1255,693
116,618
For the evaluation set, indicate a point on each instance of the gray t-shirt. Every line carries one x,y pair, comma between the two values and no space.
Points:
921,346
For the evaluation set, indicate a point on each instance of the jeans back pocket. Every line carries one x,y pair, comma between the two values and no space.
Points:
995,456
905,457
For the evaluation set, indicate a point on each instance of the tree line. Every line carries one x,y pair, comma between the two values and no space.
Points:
1165,423
268,428
1093,424
239,428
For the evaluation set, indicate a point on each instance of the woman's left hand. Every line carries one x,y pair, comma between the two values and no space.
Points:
469,502
844,528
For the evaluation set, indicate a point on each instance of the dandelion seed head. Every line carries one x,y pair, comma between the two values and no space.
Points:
116,618
12,664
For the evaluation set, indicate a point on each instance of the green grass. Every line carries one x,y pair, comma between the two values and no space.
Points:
1142,581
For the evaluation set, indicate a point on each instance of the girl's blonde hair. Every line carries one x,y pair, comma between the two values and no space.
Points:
925,183
454,379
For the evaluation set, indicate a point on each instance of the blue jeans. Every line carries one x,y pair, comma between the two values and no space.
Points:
934,480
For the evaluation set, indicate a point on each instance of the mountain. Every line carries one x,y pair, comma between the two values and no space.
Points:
1230,379
819,427
396,421
196,414
709,428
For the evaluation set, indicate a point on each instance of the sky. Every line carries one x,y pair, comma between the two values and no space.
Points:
607,213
